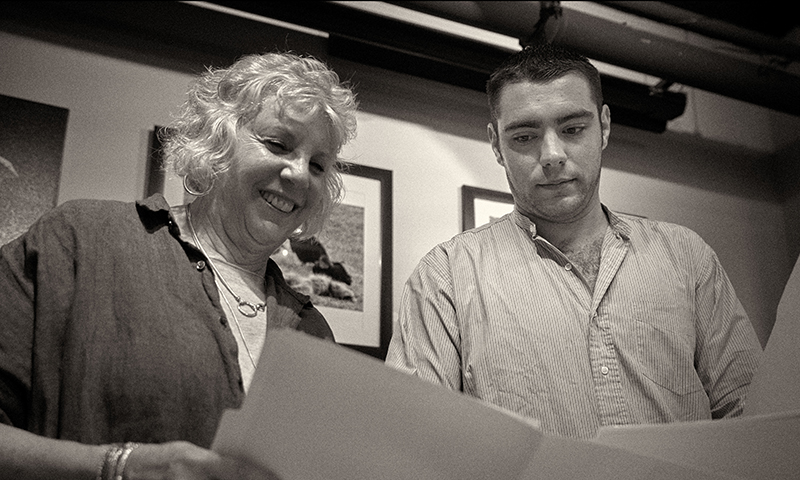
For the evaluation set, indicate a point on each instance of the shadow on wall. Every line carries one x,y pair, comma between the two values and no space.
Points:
688,160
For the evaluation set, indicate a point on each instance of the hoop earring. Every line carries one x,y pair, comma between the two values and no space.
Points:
194,192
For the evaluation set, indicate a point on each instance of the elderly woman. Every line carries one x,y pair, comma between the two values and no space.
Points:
128,328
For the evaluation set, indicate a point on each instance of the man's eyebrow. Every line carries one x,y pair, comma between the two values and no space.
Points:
580,114
522,124
576,115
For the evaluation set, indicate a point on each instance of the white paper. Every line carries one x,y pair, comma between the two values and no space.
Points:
758,447
316,410
776,384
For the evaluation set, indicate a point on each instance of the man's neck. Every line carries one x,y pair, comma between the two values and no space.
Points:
576,235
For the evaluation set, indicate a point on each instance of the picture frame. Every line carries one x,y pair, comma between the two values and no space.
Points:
368,330
347,268
479,206
32,139
156,179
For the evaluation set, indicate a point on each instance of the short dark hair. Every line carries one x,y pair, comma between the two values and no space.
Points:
541,63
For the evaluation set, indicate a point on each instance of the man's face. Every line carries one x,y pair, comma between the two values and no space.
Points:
549,137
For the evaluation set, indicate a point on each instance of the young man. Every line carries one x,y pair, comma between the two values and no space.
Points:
563,311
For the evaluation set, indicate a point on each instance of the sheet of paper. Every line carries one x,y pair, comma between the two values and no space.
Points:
757,447
776,384
567,459
316,410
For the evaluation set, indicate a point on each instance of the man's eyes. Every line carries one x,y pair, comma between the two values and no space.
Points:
528,137
574,130
522,138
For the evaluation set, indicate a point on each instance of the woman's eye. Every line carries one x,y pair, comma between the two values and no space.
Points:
317,167
273,145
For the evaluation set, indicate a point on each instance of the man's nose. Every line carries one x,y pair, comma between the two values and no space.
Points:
552,152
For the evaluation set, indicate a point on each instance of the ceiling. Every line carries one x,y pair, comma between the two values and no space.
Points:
774,19
770,29
744,50
754,59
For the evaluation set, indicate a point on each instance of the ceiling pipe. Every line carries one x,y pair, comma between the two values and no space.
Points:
618,44
759,43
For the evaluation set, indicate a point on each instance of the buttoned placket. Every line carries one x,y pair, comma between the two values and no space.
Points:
209,284
606,371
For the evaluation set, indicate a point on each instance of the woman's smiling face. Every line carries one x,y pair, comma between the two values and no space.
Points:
277,179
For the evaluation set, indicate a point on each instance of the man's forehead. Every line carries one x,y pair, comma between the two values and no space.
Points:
562,99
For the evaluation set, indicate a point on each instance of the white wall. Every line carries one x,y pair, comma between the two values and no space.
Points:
432,137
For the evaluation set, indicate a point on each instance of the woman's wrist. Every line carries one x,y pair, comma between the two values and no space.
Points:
115,460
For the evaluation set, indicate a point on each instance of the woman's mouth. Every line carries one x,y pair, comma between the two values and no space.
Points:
279,203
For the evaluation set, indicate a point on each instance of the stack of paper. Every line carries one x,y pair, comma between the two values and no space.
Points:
758,447
316,410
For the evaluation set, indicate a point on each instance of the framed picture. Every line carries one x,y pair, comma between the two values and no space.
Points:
480,206
347,268
32,137
156,179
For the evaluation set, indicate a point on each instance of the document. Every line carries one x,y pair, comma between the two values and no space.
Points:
316,410
756,447
319,411
776,384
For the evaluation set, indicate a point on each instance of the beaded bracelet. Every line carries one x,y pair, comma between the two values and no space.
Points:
114,461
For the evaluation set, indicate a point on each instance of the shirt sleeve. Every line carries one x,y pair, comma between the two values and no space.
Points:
17,262
728,352
426,339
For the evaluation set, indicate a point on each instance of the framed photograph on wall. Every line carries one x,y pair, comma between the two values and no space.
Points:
156,179
480,206
347,268
32,137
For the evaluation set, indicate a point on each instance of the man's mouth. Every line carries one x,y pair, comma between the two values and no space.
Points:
279,203
556,184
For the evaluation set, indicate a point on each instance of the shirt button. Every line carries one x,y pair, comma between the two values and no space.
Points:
223,321
201,265
568,267
604,370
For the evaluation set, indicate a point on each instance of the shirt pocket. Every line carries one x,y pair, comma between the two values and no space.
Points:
665,345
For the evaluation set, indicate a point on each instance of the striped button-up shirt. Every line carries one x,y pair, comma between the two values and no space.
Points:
499,313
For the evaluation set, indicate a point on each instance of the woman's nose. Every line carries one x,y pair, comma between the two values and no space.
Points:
296,170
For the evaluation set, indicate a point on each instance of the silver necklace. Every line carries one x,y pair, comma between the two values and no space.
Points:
246,308
239,327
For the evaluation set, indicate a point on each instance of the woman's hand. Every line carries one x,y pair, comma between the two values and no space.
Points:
186,461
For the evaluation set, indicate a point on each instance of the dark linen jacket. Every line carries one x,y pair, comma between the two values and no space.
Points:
111,328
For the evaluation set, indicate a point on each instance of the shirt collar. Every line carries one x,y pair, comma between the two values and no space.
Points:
154,212
620,227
